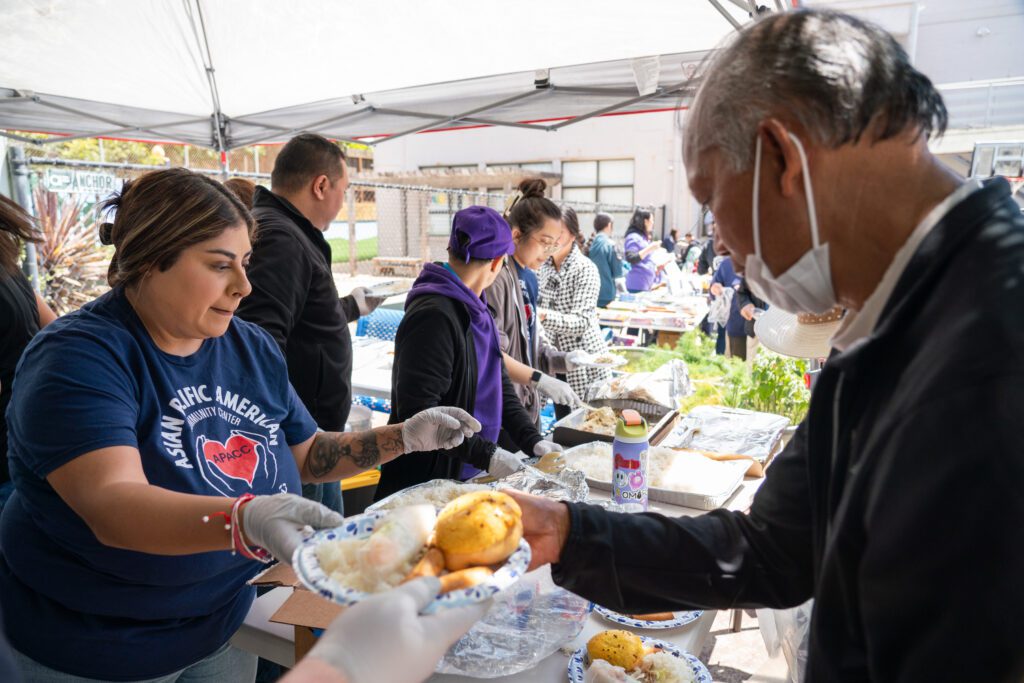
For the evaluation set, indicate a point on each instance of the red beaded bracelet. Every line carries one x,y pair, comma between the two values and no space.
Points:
233,523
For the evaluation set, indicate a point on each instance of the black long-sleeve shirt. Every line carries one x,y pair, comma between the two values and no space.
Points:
897,505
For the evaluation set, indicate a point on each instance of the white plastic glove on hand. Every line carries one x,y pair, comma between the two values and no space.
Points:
573,358
504,463
385,638
278,522
558,391
438,428
366,304
544,447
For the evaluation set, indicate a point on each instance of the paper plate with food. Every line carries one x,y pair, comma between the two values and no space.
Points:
657,620
624,657
601,360
474,546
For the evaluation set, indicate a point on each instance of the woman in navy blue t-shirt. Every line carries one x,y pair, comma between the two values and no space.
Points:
136,421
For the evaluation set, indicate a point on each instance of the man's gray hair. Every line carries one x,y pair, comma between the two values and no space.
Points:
838,76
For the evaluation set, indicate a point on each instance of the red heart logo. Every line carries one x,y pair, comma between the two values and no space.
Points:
236,459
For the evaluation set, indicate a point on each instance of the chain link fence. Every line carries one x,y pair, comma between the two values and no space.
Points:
383,229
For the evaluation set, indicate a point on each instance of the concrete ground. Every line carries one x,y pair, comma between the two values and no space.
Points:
734,657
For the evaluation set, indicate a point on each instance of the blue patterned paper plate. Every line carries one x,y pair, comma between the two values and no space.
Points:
307,568
579,661
679,619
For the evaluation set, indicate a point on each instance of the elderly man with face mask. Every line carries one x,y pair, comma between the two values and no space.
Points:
897,505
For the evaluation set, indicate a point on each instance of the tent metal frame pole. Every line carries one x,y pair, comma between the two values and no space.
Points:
113,122
23,195
284,131
106,133
660,92
218,119
452,119
598,92
17,138
728,17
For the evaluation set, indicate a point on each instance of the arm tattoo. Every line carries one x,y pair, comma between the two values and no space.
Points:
363,449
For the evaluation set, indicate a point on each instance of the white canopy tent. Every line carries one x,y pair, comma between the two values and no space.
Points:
231,73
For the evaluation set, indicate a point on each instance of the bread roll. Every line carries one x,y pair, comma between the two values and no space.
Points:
480,528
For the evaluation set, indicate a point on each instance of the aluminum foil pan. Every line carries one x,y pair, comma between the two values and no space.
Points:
527,623
569,484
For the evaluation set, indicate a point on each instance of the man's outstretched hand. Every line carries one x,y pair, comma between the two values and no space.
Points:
545,526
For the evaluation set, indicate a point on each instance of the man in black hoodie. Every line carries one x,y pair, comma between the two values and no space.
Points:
897,505
293,292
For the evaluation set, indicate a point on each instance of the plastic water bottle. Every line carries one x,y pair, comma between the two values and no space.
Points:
629,462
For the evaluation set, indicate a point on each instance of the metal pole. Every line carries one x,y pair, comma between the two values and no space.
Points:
351,199
23,195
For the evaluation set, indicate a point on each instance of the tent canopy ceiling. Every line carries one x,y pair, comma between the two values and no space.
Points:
139,68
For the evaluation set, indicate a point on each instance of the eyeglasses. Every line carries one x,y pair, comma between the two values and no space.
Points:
549,247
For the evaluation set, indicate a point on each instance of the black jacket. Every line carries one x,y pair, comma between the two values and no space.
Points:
707,257
294,299
898,505
435,365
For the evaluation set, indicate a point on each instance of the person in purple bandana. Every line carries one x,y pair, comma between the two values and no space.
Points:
447,354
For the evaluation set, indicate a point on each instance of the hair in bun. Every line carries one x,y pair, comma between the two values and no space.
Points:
528,209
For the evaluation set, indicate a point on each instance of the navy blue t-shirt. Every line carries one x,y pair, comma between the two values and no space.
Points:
218,422
531,293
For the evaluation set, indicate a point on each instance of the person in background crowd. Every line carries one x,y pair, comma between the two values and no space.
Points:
685,252
22,313
643,275
725,277
749,305
569,286
293,292
536,224
897,504
609,266
668,242
706,261
151,432
244,189
447,354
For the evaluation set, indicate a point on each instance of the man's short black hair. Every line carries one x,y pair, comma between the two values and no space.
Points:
601,221
303,158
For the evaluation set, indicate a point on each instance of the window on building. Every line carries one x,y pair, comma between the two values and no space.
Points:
609,181
444,205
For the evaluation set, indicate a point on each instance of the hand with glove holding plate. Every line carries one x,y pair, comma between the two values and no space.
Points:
279,523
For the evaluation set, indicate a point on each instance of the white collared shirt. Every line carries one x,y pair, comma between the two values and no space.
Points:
857,325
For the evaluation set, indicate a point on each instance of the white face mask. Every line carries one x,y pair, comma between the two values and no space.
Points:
807,286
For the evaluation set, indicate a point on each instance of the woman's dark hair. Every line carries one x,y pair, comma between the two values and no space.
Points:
162,213
529,211
243,189
16,228
636,223
572,224
601,221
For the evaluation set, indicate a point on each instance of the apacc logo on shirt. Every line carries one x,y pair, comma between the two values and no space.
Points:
230,440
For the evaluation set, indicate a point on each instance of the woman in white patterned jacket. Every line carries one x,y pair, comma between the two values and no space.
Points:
569,285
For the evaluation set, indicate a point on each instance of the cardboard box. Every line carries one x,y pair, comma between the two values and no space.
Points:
303,610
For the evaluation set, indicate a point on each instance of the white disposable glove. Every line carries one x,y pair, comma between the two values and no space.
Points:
558,391
280,522
504,463
574,357
385,638
366,304
438,428
544,447
620,285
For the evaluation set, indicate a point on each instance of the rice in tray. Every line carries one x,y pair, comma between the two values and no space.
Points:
437,493
667,469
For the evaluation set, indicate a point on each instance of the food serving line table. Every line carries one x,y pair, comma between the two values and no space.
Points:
657,311
276,642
